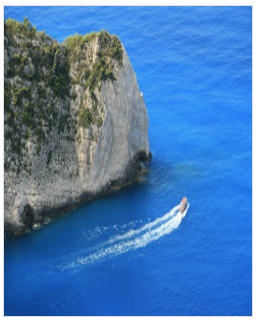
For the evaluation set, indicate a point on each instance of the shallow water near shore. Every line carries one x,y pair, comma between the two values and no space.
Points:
131,252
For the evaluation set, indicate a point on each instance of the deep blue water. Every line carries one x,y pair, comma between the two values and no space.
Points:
194,68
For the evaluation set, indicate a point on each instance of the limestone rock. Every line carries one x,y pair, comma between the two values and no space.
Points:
73,165
35,43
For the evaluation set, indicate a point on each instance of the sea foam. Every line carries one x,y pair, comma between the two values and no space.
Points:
133,239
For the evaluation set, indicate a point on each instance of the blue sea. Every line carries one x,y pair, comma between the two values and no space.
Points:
131,253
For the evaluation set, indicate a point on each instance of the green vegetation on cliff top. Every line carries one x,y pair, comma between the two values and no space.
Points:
41,67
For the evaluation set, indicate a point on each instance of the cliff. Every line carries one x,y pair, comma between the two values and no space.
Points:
75,122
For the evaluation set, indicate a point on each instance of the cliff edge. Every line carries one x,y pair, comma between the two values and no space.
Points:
76,124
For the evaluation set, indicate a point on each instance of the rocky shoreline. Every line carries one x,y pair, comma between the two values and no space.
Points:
134,176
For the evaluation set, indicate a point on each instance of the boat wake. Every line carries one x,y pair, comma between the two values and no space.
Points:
133,239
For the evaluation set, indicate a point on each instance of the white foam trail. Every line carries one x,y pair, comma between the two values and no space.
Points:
132,233
165,228
134,238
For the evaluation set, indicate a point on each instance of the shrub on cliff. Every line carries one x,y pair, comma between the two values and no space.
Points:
85,118
115,50
12,26
21,93
78,40
99,122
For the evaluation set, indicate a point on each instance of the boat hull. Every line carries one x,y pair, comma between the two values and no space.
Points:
185,211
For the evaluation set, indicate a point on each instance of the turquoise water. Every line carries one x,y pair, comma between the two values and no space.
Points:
131,253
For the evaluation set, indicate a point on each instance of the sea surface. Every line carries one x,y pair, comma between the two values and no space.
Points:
131,252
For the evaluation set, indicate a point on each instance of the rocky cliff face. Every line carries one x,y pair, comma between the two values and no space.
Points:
76,124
